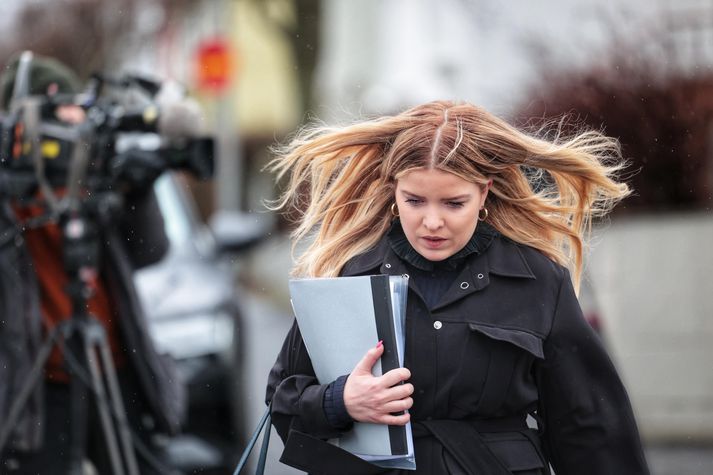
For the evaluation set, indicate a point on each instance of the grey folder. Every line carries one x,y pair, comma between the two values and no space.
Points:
340,319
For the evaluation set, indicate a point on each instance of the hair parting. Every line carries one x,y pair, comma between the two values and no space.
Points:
437,140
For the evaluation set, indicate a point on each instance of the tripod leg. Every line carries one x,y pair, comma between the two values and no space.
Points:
26,390
109,402
119,411
78,402
104,415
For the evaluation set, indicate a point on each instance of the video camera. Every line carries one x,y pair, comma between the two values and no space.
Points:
125,139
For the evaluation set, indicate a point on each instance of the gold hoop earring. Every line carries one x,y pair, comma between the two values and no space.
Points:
394,210
483,216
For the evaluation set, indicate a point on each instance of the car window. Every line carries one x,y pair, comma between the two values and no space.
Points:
185,232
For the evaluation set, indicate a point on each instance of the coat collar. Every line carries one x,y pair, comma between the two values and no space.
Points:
503,257
478,243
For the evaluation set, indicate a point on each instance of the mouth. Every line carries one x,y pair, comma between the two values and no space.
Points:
433,242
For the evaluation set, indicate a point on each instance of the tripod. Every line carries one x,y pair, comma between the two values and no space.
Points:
86,352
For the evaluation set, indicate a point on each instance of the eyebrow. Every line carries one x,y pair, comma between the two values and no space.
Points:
451,198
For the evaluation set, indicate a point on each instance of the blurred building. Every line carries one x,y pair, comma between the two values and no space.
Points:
382,55
257,100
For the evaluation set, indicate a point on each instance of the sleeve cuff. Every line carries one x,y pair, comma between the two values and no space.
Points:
334,409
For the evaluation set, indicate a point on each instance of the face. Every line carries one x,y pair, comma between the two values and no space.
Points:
438,211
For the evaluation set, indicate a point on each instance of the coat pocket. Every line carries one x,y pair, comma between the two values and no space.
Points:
518,452
508,378
522,339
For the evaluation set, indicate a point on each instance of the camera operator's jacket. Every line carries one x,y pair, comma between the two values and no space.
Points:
136,240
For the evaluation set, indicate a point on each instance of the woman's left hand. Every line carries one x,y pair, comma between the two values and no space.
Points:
375,399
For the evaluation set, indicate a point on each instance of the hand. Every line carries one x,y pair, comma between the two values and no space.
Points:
374,399
70,114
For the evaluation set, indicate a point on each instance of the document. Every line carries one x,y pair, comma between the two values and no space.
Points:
340,319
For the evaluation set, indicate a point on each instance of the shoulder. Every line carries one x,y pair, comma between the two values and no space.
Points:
526,284
507,257
368,260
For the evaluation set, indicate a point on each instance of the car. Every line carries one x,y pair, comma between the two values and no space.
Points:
192,301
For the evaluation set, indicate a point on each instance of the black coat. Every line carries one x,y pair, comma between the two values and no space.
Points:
511,341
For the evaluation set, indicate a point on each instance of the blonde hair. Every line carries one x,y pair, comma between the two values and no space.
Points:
544,193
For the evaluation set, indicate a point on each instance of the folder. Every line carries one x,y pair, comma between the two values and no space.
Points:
340,319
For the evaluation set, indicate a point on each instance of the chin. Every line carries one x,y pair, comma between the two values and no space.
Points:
435,256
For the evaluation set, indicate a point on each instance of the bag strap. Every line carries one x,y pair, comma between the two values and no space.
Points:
264,423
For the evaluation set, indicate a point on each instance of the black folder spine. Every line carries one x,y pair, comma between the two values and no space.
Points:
389,360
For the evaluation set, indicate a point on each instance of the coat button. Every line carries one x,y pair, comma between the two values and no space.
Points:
405,276
387,265
437,325
464,285
480,276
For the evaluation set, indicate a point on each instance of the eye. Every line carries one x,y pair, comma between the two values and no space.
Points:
454,204
413,201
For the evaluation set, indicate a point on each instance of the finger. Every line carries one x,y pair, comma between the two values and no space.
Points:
369,360
395,376
392,420
399,391
399,405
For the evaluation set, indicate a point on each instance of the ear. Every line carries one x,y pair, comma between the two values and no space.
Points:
485,190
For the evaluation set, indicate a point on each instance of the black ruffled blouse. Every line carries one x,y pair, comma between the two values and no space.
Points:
433,278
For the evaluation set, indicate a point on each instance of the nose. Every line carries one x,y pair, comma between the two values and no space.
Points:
432,220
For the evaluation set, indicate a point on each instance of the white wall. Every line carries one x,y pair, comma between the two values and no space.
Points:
652,275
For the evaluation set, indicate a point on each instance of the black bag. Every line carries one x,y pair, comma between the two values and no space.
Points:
263,424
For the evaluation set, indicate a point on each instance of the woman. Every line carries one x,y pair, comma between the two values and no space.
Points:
486,221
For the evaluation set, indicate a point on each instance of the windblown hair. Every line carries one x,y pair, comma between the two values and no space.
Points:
545,192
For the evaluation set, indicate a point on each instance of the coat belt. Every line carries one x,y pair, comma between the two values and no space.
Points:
461,438
464,442
422,428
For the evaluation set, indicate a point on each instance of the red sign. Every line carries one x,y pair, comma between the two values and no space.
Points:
214,65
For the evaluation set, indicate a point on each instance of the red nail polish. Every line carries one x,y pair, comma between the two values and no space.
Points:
381,342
